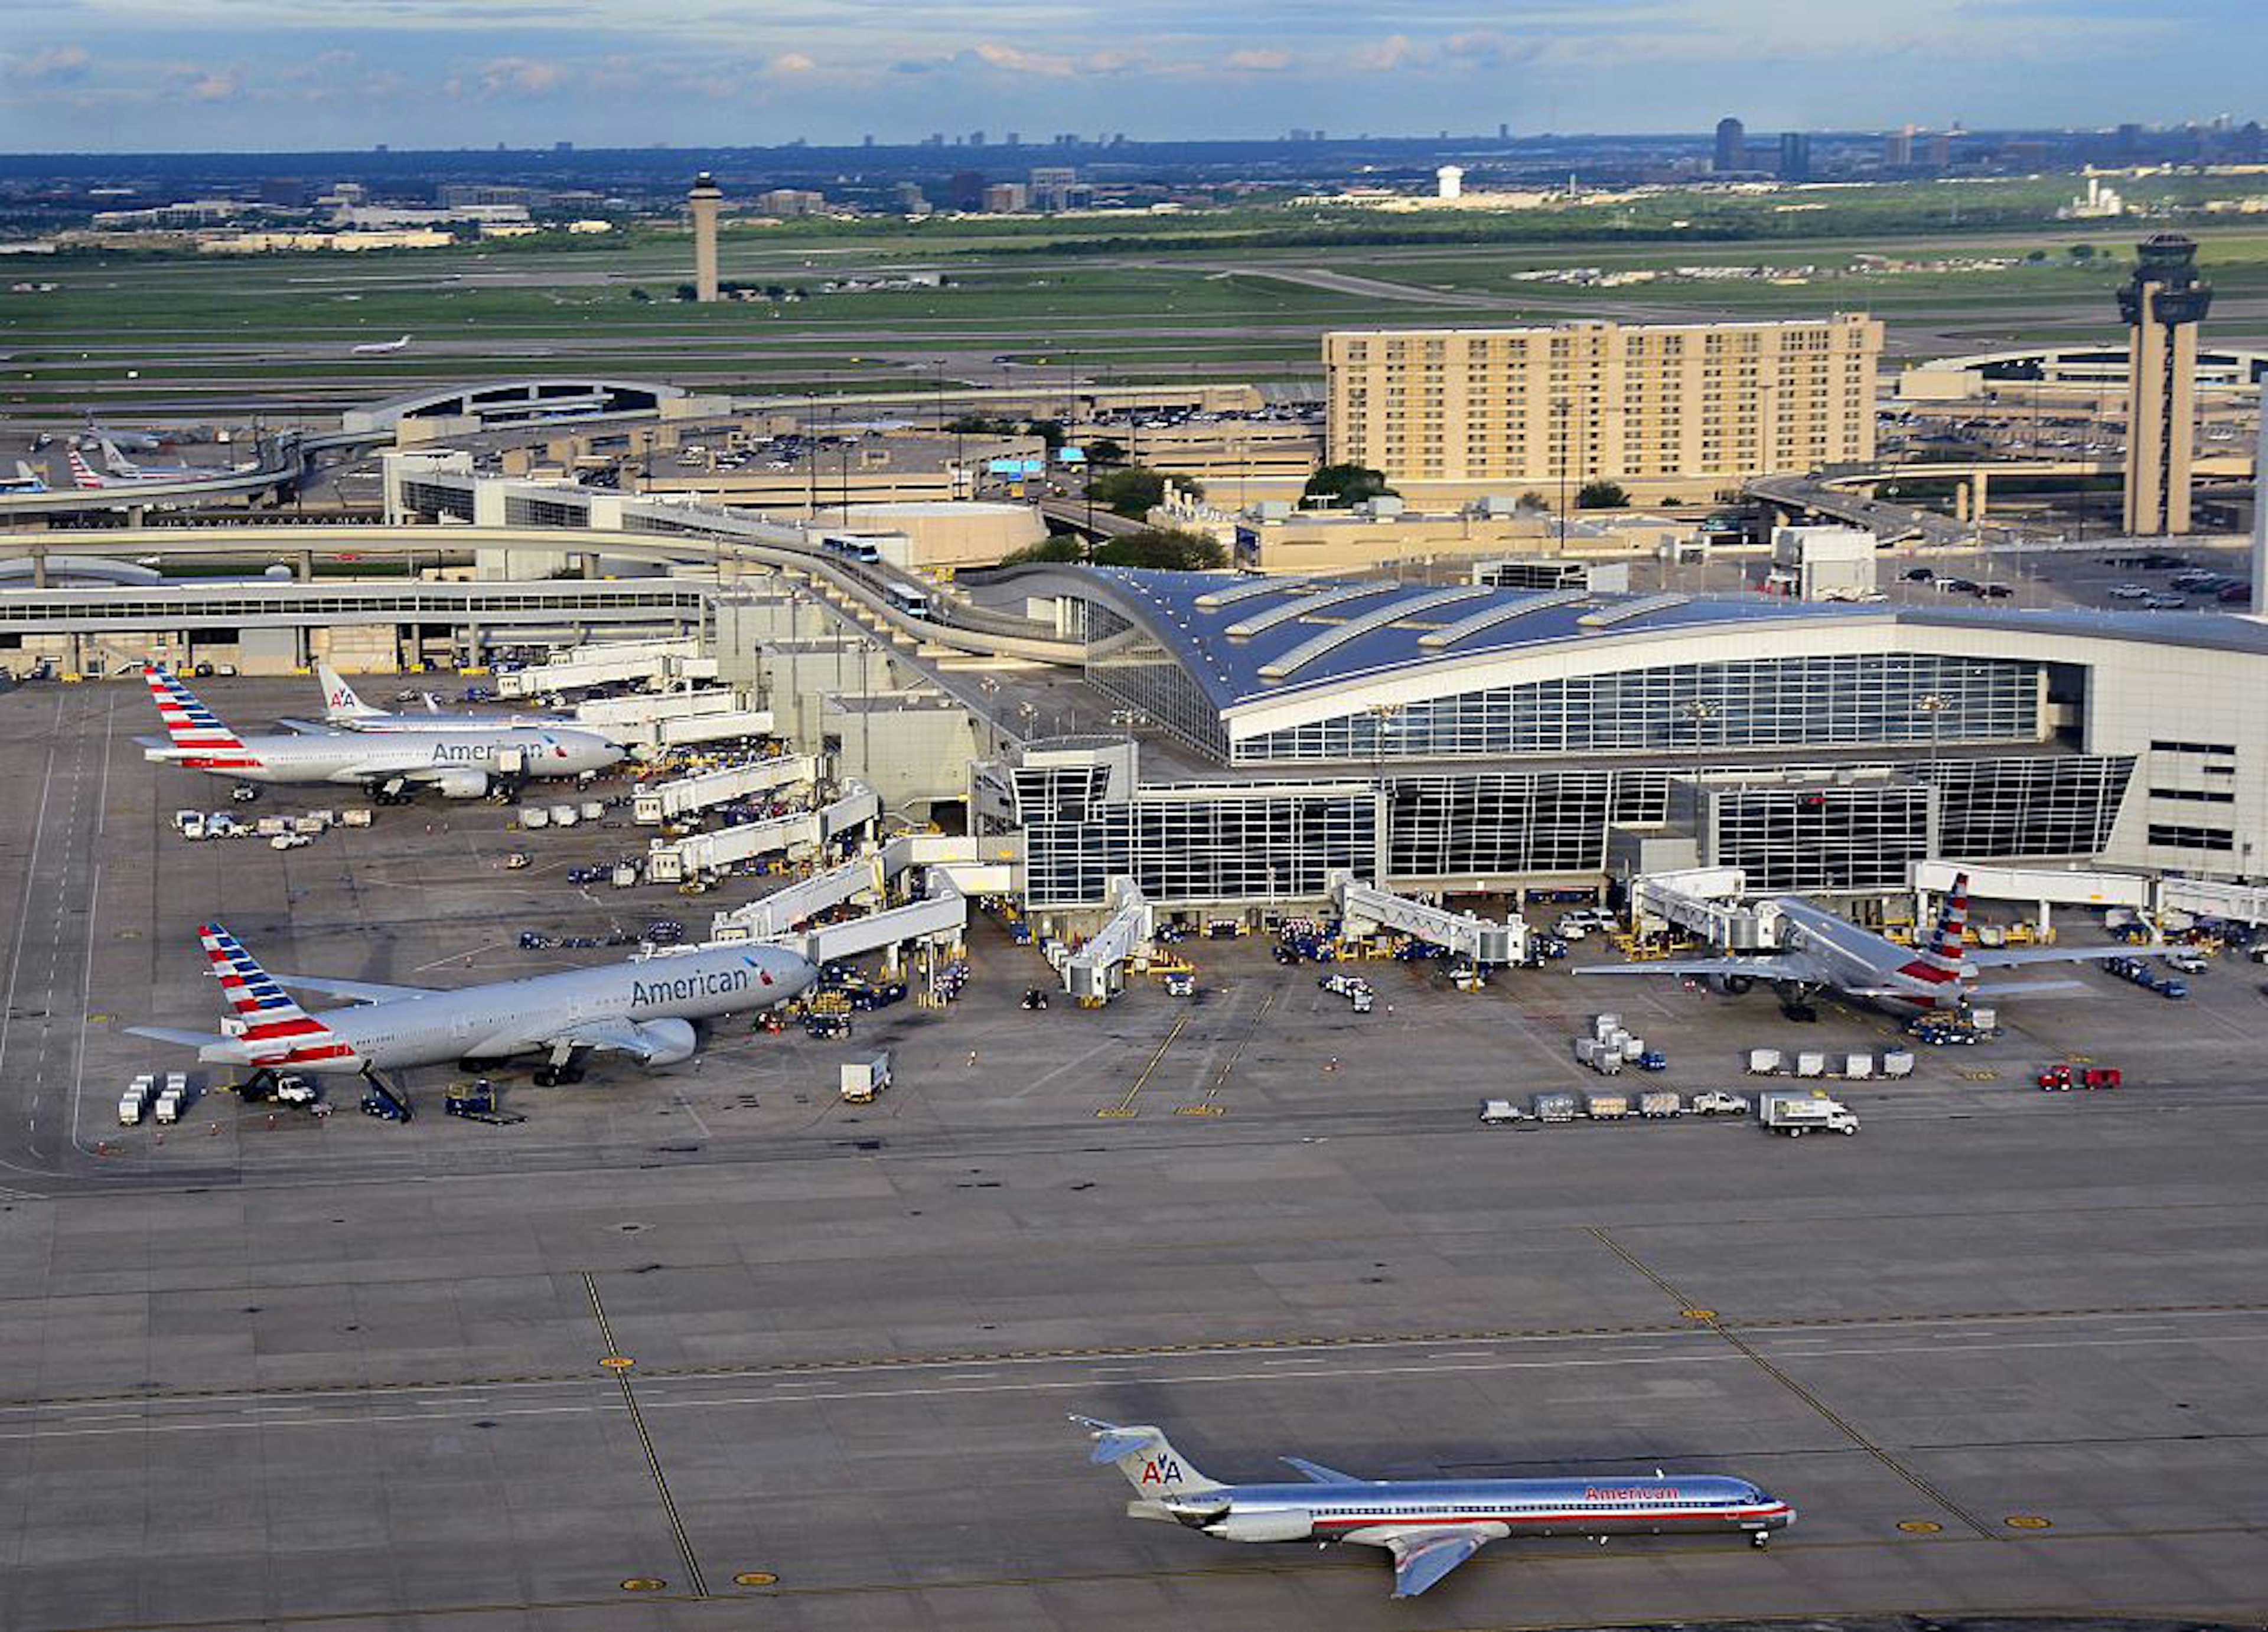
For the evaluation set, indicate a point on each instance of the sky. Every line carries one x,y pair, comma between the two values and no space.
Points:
283,74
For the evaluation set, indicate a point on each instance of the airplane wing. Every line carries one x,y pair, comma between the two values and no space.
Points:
360,991
1758,968
1321,1474
1424,1557
168,1034
306,728
2011,956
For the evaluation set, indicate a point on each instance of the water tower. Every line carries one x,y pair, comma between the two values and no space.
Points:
1449,182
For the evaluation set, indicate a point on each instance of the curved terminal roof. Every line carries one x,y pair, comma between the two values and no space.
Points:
1327,640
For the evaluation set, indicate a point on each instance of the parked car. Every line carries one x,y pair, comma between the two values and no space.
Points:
2128,592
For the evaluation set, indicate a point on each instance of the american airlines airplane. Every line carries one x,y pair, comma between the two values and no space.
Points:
379,347
1430,1525
24,481
460,763
1818,950
643,1009
344,710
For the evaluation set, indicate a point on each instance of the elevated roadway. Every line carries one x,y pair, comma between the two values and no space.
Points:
1849,494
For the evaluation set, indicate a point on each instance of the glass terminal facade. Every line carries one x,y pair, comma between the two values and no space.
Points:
1856,700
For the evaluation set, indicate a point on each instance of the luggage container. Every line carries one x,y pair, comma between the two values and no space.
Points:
565,816
1766,1062
1608,1108
1897,1062
535,816
134,1104
1986,1021
1858,1067
1555,1107
1811,1064
308,827
594,810
1602,1026
359,817
626,874
861,1080
1660,1102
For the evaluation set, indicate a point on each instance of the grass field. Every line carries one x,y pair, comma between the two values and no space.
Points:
1137,299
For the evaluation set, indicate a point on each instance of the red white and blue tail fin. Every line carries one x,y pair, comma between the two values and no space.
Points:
118,464
276,1030
1945,947
83,474
199,738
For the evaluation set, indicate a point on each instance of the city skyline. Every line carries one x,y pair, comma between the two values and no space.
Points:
170,75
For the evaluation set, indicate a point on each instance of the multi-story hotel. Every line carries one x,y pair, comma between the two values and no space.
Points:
1667,410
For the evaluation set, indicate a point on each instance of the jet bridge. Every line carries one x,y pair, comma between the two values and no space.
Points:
668,861
1365,909
1094,972
778,913
2047,887
662,801
1705,901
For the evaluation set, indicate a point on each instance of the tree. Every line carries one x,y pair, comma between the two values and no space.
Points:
1048,430
981,425
686,291
2036,256
1162,546
1347,484
2083,252
1602,496
1055,547
1104,450
638,294
1132,490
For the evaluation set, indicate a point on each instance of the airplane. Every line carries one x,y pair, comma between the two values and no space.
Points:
344,710
1430,1525
1818,950
459,764
126,470
24,481
643,1009
379,347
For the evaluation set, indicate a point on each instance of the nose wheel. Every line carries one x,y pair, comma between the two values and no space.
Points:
1760,1539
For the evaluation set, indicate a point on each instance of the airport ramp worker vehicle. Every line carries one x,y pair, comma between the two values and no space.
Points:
1796,1111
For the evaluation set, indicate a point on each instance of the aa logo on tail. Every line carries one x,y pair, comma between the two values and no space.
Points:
1160,1470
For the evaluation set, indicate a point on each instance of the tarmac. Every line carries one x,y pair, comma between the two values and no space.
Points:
705,1348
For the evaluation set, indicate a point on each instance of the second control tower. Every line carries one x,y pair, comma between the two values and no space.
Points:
2163,304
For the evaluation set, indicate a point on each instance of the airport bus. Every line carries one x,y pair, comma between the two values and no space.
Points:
913,602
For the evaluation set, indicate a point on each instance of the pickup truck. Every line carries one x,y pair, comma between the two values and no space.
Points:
1716,1102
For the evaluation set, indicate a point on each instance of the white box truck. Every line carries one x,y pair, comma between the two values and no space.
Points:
863,1079
1796,1111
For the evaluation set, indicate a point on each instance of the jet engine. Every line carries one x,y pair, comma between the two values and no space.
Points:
668,1042
1292,1524
462,785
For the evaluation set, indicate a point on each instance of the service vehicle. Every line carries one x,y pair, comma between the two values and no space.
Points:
134,1104
1716,1102
860,1081
1796,1111
2062,1078
1497,1112
1181,983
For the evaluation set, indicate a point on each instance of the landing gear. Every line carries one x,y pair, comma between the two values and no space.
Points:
1760,1539
565,1065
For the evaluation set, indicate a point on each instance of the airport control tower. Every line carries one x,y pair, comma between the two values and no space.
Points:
704,201
2163,304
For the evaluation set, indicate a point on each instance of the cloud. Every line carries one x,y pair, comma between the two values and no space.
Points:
792,63
1258,60
521,76
1385,56
62,65
1017,61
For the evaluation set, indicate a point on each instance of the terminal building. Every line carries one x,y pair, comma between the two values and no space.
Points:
1473,740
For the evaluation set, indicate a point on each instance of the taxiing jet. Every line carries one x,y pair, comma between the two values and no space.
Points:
344,710
126,470
1429,1526
457,764
1819,951
643,1009
379,347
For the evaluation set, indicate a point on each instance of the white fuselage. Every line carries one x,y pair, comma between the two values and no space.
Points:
423,756
1826,950
507,1018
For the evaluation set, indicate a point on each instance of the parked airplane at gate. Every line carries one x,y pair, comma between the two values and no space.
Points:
643,1009
379,347
344,710
1818,950
1429,1526
24,481
461,763
125,469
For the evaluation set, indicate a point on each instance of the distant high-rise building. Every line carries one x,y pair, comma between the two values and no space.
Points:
1503,132
867,140
1937,152
908,197
964,189
2163,304
1006,198
1732,145
563,147
977,139
1794,156
789,201
1898,148
704,201
1015,139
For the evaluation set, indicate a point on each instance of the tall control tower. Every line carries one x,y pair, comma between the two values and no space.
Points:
2163,304
702,201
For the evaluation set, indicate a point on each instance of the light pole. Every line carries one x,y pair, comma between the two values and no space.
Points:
1560,408
1936,705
